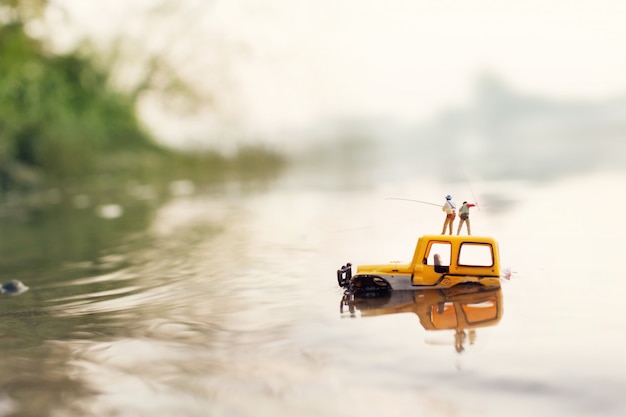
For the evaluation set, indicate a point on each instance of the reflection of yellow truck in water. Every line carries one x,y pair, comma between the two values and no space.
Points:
462,308
439,261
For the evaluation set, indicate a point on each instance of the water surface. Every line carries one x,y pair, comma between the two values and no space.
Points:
225,303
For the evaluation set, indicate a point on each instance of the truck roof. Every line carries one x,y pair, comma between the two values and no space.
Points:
460,238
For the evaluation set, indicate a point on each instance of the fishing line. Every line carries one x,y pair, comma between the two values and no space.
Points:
415,201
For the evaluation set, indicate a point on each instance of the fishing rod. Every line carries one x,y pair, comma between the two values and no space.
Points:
415,201
470,187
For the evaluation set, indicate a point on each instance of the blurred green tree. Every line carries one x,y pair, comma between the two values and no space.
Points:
66,116
59,117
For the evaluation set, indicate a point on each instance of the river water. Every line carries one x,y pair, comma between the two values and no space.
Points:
224,302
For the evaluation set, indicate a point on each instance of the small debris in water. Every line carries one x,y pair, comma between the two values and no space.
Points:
13,287
506,273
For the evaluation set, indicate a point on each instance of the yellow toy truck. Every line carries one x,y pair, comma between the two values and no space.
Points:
439,261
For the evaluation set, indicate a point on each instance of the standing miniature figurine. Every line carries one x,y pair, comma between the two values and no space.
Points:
464,215
450,210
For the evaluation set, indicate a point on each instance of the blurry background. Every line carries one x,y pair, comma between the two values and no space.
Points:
504,89
179,181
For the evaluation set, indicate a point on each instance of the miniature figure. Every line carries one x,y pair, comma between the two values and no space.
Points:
450,210
464,215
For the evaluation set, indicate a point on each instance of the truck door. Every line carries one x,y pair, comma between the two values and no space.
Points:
436,262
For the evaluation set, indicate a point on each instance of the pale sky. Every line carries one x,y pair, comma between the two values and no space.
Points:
308,60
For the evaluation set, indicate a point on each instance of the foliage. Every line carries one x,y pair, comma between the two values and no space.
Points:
60,121
58,116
